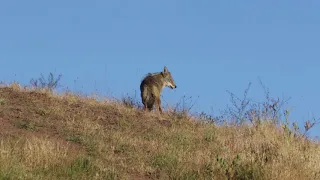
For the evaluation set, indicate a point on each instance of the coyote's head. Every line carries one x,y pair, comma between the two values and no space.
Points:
168,80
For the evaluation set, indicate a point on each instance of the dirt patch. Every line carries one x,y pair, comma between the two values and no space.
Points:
165,123
7,128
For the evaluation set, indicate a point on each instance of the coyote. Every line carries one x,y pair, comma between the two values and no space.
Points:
151,87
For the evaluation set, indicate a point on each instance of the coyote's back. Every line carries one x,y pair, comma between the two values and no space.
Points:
151,87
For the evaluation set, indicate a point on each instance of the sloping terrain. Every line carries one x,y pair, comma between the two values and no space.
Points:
47,136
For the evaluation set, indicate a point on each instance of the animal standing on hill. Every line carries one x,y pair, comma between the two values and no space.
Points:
151,87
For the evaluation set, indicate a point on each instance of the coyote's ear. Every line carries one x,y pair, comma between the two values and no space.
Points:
165,70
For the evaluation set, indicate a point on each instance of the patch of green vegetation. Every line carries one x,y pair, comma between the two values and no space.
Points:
3,101
182,139
26,125
42,111
11,173
235,169
81,164
164,161
122,148
209,135
76,139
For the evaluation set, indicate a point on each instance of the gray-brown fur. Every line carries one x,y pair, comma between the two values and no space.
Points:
151,88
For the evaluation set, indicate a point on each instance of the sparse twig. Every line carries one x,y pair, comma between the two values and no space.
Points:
239,106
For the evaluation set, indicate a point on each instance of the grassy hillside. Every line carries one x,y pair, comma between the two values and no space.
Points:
47,136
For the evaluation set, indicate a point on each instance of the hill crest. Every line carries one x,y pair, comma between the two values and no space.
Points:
48,136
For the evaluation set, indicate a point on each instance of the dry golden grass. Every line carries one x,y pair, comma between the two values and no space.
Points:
48,136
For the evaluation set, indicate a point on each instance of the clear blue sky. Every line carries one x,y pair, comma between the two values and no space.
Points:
209,46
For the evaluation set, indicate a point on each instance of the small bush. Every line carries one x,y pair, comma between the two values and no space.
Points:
50,83
131,101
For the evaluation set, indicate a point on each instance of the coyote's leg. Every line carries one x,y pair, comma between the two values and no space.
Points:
160,109
145,107
158,105
144,98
